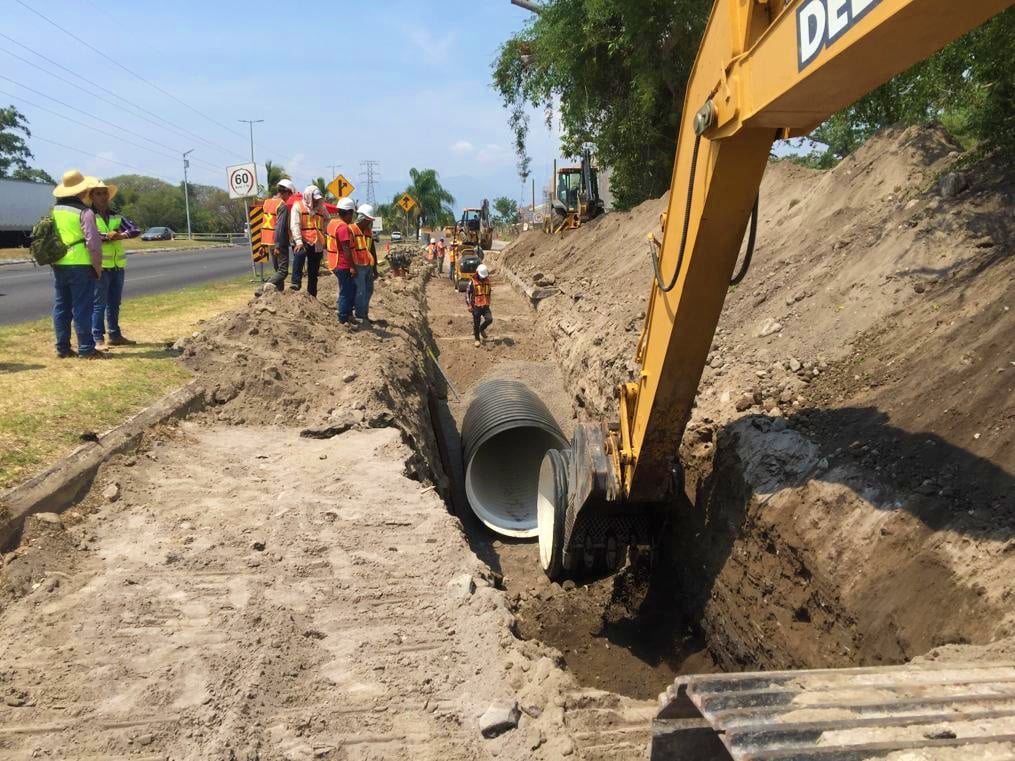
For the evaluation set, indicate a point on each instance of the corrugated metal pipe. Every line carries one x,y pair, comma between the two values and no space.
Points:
506,431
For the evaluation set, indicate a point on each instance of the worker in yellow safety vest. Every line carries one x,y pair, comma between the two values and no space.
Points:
114,229
306,229
275,232
478,297
362,233
75,273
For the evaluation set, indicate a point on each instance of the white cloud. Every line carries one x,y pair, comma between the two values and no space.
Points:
463,147
435,49
492,153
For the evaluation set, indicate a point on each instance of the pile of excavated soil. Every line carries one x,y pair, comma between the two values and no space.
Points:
850,459
277,577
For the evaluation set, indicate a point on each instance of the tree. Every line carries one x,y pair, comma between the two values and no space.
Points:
618,69
14,151
322,185
506,210
433,202
33,175
272,174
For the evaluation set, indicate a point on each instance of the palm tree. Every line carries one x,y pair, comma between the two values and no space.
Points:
322,185
273,173
433,201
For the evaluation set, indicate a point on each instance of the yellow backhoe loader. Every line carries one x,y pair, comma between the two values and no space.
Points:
575,197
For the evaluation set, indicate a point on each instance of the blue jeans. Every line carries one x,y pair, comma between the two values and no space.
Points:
346,294
364,290
108,295
74,299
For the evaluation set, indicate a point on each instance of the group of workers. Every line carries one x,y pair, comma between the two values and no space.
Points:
304,230
478,291
88,279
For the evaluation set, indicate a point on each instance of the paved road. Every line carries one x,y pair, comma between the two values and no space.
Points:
26,291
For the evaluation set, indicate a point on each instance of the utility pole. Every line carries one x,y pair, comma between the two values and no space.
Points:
186,191
371,174
246,203
334,170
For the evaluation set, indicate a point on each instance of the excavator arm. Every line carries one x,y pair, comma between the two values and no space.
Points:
766,69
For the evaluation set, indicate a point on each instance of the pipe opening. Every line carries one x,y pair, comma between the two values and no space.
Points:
505,434
502,479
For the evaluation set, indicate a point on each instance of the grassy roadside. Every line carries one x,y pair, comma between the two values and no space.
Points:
132,245
51,402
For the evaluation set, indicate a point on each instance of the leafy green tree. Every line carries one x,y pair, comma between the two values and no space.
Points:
322,185
505,210
33,175
618,69
433,201
14,151
272,174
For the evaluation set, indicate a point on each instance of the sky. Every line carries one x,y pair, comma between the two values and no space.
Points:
402,82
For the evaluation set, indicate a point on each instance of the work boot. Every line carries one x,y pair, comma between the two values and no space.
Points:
100,346
119,341
66,354
94,355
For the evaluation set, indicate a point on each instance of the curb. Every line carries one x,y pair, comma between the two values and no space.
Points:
66,481
6,262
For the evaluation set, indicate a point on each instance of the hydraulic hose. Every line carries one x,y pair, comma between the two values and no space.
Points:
752,237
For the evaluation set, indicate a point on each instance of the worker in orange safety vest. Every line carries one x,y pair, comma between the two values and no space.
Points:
306,228
275,232
478,297
341,259
362,233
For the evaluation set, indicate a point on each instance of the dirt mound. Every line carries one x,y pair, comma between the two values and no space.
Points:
858,506
282,361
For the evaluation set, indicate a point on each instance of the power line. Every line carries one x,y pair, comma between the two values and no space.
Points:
97,129
106,56
105,158
97,118
120,105
371,174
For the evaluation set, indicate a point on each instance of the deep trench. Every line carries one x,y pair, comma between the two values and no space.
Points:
628,634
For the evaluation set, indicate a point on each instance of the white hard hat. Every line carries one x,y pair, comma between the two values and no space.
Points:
346,204
483,271
366,210
287,184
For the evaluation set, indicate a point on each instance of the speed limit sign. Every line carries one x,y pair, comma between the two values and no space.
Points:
242,180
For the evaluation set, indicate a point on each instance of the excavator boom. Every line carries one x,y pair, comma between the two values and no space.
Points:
766,69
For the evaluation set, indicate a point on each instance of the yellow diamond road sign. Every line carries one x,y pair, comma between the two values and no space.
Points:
406,202
341,187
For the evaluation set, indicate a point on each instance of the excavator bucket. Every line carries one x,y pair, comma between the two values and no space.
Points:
924,711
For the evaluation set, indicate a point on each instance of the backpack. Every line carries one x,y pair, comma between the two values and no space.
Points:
47,247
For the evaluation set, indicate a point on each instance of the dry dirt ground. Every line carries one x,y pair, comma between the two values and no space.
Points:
850,459
280,577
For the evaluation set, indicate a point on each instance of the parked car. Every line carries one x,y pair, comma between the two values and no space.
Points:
395,235
157,233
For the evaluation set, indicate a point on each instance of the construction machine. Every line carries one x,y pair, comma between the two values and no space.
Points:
766,70
475,227
575,198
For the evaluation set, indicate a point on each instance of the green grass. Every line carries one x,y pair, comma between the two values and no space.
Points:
51,402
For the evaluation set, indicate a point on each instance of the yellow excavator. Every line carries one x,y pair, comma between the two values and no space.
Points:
766,70
575,197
